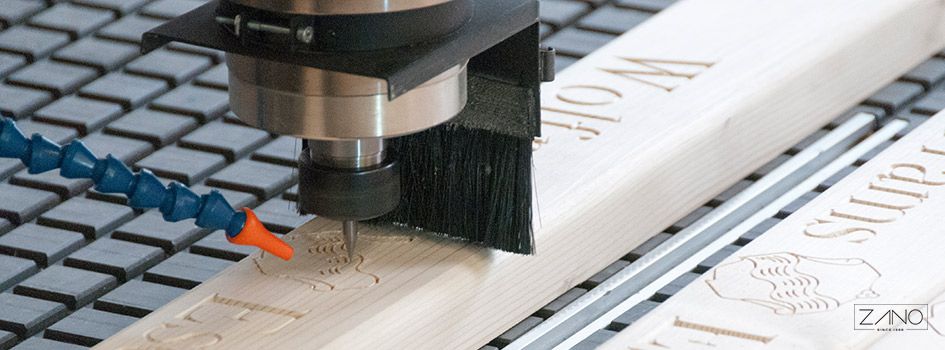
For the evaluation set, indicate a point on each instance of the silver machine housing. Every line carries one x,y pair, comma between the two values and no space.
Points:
346,118
322,105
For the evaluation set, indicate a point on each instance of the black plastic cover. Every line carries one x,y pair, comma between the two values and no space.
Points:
404,68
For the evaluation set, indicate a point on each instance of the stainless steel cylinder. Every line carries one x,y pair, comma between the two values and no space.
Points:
318,104
338,7
348,154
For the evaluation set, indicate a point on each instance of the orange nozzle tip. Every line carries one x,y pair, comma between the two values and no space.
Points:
255,234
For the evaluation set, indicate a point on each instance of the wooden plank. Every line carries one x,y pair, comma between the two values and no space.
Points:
815,281
636,136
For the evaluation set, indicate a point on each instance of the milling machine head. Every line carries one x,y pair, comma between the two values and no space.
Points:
353,77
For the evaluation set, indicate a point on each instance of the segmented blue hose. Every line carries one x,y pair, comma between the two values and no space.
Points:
75,161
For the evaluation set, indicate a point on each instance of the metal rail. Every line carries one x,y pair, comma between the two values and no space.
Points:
636,282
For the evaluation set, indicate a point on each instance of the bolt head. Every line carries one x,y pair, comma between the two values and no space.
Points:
306,35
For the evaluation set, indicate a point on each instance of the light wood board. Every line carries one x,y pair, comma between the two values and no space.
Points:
636,135
819,278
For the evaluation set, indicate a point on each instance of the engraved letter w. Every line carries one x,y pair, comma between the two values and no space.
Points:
662,74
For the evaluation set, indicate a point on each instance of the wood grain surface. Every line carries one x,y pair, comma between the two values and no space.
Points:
824,277
637,135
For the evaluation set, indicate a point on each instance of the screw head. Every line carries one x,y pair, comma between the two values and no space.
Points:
305,35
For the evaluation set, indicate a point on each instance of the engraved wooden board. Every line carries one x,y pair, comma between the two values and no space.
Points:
815,281
636,135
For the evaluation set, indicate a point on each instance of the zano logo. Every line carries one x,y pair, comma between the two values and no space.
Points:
890,317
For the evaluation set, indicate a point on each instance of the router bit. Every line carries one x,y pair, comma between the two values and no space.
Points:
350,231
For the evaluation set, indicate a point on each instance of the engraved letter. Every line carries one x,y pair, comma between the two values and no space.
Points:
585,133
183,335
821,228
915,173
935,149
884,199
208,323
588,95
690,335
662,74
585,101
885,183
866,212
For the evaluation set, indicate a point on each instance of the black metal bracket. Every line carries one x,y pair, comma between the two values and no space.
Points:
353,32
404,68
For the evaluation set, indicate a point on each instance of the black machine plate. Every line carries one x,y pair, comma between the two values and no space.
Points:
404,68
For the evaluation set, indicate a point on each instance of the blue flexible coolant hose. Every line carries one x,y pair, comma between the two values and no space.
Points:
176,202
